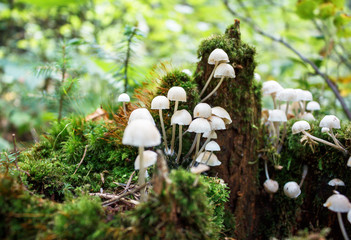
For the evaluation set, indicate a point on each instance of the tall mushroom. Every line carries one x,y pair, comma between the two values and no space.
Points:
141,113
216,56
141,133
276,117
224,70
340,204
180,117
176,94
124,98
160,103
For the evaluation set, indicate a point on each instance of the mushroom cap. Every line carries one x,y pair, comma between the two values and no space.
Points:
212,146
287,94
187,72
176,94
312,106
211,134
213,161
199,168
277,115
149,158
300,126
338,203
308,116
160,102
141,132
270,87
325,129
336,182
123,98
292,189
202,110
199,125
218,55
257,77
216,123
303,95
141,113
224,70
330,121
222,113
181,117
271,186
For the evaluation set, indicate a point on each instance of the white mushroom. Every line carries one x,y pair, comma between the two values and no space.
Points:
141,113
276,117
340,204
292,189
222,113
141,133
331,121
124,98
208,158
198,125
181,117
313,106
149,159
271,186
336,182
224,70
160,103
272,88
176,94
217,56
307,116
202,110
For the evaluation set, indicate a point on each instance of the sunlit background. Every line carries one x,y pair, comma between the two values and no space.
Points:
100,36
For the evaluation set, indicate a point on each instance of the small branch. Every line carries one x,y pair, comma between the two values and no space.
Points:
85,152
116,199
326,78
129,182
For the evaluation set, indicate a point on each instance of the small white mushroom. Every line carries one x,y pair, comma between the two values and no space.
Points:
124,98
331,121
223,71
276,117
336,182
307,116
257,77
222,113
202,110
271,88
141,113
340,204
313,106
176,94
208,159
181,117
271,186
217,56
149,159
199,126
141,133
292,189
160,103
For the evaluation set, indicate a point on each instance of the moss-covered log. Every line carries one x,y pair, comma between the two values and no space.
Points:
241,98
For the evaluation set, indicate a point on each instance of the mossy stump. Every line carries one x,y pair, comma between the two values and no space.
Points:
241,98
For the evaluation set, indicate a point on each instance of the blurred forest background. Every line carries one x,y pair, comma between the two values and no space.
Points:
62,57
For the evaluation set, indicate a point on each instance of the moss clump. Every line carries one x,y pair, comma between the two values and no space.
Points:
180,211
52,162
285,216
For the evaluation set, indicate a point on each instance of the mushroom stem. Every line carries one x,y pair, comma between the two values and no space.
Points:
273,95
214,90
142,171
191,148
197,139
304,107
301,108
163,130
336,141
266,169
304,174
203,146
209,79
277,132
173,129
342,227
325,142
273,129
209,157
284,129
180,144
124,108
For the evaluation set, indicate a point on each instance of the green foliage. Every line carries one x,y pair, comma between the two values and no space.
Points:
180,211
52,162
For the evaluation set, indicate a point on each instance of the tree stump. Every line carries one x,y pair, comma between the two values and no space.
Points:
241,97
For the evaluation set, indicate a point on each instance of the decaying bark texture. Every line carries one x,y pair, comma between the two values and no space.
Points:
241,97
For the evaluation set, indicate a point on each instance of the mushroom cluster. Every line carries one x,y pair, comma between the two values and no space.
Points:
205,121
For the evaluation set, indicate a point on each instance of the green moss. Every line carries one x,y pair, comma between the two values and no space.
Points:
180,211
52,162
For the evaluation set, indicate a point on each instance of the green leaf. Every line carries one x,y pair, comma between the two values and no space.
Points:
305,8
